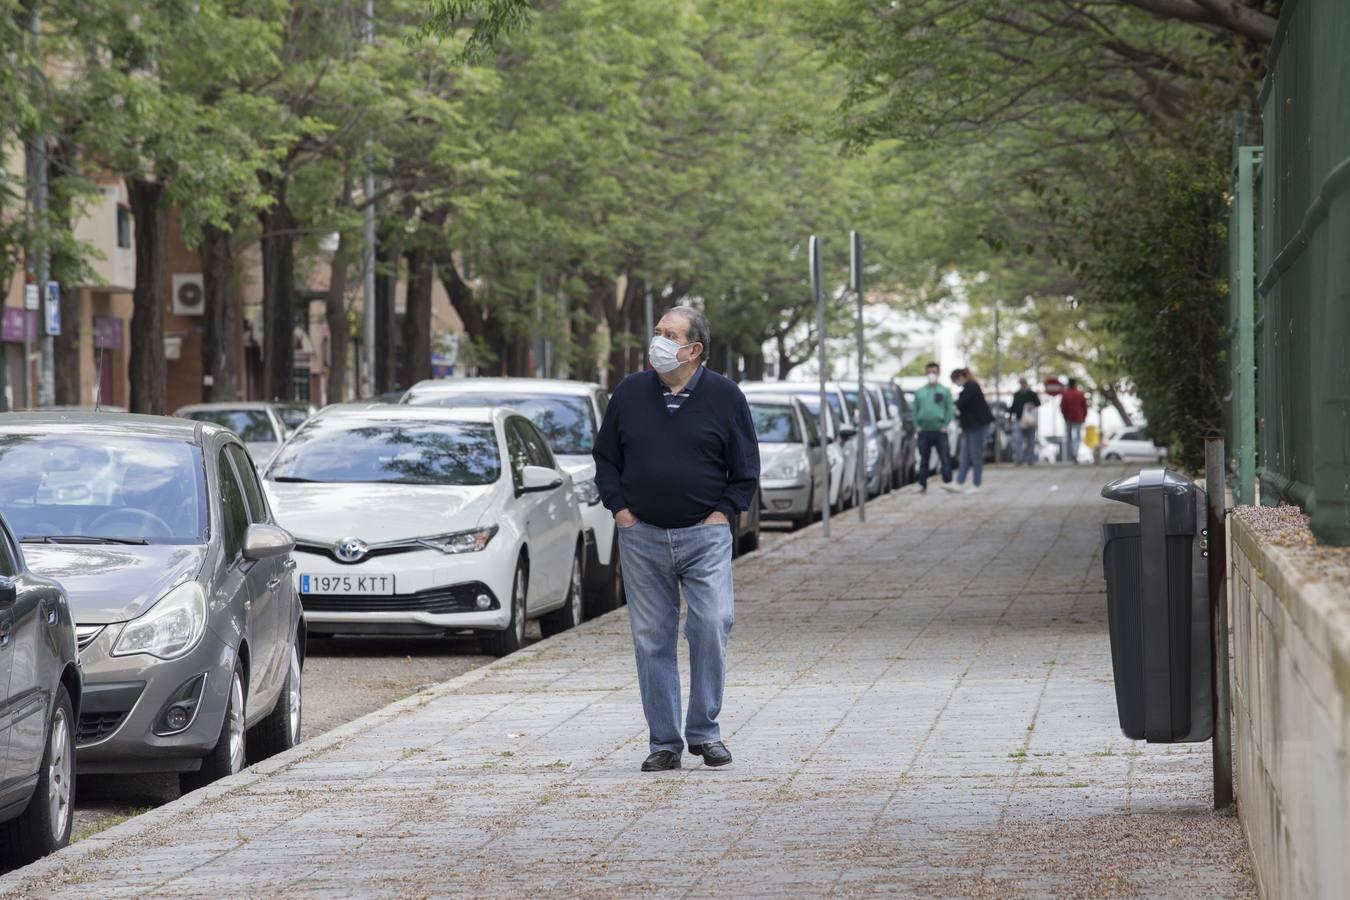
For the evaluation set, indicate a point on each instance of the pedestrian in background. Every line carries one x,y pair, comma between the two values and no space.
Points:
933,412
1073,406
676,459
973,412
1026,408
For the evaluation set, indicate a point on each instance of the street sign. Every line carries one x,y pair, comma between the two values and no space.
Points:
1054,387
53,307
30,296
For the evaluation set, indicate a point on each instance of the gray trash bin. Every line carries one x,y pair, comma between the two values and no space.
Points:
1157,599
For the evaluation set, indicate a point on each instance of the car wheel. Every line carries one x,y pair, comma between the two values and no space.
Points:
280,731
609,596
512,637
44,826
570,615
750,540
805,518
1113,457
228,757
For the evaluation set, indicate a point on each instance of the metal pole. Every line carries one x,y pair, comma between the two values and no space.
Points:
998,377
817,287
855,277
368,281
1216,534
1244,488
46,369
647,321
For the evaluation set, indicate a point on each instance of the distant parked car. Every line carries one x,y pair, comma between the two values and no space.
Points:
189,631
423,520
874,428
1132,444
569,414
849,445
41,667
261,426
904,440
792,467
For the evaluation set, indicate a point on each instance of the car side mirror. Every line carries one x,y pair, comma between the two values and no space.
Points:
267,541
847,432
536,479
814,442
9,593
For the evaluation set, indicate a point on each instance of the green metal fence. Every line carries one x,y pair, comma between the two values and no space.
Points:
1300,311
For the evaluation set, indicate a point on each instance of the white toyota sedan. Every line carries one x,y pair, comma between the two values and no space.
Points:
423,520
569,414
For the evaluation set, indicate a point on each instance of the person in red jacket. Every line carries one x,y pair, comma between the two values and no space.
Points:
1073,406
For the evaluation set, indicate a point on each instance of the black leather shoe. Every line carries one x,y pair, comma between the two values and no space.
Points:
714,754
662,761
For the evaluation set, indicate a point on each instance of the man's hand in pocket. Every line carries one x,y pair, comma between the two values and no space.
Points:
625,519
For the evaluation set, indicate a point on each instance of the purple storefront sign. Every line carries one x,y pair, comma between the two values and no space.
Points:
11,331
107,333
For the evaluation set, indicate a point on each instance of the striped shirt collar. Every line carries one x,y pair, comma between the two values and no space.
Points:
675,401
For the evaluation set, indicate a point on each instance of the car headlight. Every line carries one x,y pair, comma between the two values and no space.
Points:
873,452
470,541
787,469
171,628
586,492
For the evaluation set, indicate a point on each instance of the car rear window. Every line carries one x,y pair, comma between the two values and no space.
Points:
98,486
389,452
775,423
568,423
252,425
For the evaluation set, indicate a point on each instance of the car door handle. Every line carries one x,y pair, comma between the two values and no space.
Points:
289,564
274,583
6,632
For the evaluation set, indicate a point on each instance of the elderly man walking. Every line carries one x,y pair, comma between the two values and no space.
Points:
676,459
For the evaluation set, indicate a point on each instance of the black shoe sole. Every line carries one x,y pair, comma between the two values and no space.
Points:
647,768
715,765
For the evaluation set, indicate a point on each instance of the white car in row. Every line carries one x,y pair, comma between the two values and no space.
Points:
425,520
568,413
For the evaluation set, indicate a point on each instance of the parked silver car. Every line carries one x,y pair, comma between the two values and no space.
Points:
40,665
792,460
189,629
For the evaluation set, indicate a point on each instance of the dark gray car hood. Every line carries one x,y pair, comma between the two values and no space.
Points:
111,583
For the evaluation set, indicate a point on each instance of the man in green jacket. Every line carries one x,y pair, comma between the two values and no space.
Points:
933,412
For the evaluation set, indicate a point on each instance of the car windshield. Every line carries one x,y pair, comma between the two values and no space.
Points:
293,416
852,397
812,401
812,404
567,422
252,425
100,487
390,452
775,423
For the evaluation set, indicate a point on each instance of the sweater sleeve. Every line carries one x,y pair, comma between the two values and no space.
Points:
948,408
608,456
742,461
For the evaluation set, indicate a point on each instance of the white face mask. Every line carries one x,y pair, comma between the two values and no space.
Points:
663,354
932,378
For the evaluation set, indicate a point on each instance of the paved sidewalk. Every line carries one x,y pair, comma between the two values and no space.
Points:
921,706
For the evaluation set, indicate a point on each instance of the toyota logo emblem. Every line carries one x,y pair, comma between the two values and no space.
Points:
351,550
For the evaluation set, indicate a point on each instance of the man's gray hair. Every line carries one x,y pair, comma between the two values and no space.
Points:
696,324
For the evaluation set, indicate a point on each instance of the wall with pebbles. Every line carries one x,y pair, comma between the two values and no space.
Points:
1290,602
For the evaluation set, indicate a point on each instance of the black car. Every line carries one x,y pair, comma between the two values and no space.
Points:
39,661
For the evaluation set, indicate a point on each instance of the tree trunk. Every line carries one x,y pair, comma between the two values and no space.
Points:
278,259
1109,393
339,324
754,363
66,345
221,313
386,317
417,316
147,367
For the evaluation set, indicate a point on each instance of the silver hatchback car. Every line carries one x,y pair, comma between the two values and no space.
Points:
189,629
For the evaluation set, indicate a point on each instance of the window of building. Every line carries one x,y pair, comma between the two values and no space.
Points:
123,227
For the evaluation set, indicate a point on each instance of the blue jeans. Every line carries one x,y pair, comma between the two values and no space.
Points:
972,454
1073,433
1024,445
928,440
657,563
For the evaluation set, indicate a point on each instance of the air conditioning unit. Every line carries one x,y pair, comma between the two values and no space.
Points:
189,297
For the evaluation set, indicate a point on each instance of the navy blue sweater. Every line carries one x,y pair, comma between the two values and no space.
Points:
674,469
